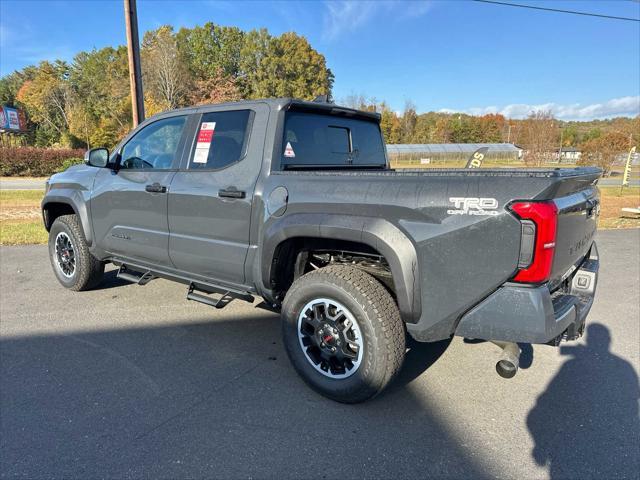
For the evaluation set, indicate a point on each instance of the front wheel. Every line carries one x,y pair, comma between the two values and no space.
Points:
73,264
343,333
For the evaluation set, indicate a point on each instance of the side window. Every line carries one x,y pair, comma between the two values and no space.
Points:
221,139
154,146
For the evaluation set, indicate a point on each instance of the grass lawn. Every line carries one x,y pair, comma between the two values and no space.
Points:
9,179
22,232
612,201
21,222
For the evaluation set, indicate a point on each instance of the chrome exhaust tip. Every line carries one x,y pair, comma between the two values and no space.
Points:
507,365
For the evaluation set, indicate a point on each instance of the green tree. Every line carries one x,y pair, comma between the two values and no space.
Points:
210,48
10,85
465,129
570,136
592,134
255,49
292,68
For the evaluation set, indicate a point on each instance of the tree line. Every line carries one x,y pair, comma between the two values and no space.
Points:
86,102
539,134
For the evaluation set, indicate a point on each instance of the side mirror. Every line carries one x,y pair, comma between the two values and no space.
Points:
97,157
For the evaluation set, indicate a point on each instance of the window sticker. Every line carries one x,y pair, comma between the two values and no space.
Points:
288,152
203,145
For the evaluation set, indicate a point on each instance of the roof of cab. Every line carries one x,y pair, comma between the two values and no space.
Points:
275,104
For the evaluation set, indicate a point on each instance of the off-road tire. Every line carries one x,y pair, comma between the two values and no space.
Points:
88,271
379,320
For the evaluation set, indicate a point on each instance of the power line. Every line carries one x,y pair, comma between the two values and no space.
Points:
557,10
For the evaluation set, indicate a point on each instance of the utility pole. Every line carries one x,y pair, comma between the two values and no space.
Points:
133,47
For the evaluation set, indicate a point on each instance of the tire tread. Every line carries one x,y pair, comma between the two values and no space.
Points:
90,269
386,315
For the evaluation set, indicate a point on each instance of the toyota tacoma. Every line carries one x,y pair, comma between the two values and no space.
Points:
295,202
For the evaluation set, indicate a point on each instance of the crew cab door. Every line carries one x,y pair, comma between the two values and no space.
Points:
211,196
129,203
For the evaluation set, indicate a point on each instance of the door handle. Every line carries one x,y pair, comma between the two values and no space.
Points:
156,188
231,192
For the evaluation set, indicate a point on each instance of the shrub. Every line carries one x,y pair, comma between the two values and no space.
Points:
69,162
36,162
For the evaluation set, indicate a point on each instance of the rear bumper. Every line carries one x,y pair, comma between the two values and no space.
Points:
516,313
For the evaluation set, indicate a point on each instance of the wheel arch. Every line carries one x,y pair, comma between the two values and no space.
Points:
377,235
54,206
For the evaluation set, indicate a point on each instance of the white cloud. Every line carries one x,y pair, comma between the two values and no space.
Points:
616,107
346,16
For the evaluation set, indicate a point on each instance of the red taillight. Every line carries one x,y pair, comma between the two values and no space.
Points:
545,217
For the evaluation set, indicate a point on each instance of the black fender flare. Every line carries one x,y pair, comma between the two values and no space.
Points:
377,233
77,203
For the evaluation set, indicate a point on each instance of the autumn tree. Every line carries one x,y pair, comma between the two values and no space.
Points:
47,97
217,89
11,84
442,132
537,135
100,81
602,151
408,122
360,102
390,125
165,77
491,128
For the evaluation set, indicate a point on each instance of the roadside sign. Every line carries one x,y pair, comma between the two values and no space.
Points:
12,119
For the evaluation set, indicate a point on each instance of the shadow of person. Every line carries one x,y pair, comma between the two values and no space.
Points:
586,424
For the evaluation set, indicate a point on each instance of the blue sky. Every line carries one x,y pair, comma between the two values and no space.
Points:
441,55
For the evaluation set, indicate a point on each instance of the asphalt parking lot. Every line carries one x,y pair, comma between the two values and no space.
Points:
136,382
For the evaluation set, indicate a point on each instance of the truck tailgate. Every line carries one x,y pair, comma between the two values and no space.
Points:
578,206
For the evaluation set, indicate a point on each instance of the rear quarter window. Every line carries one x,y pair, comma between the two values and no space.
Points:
312,139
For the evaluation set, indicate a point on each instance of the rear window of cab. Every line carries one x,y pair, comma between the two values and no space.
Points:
317,140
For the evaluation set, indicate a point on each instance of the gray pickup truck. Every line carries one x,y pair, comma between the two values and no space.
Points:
295,202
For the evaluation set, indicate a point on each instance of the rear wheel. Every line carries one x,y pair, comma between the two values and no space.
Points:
73,264
343,333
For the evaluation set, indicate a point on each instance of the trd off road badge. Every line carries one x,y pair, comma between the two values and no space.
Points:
473,206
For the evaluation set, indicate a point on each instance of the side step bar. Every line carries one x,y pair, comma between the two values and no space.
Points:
217,299
217,296
134,276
